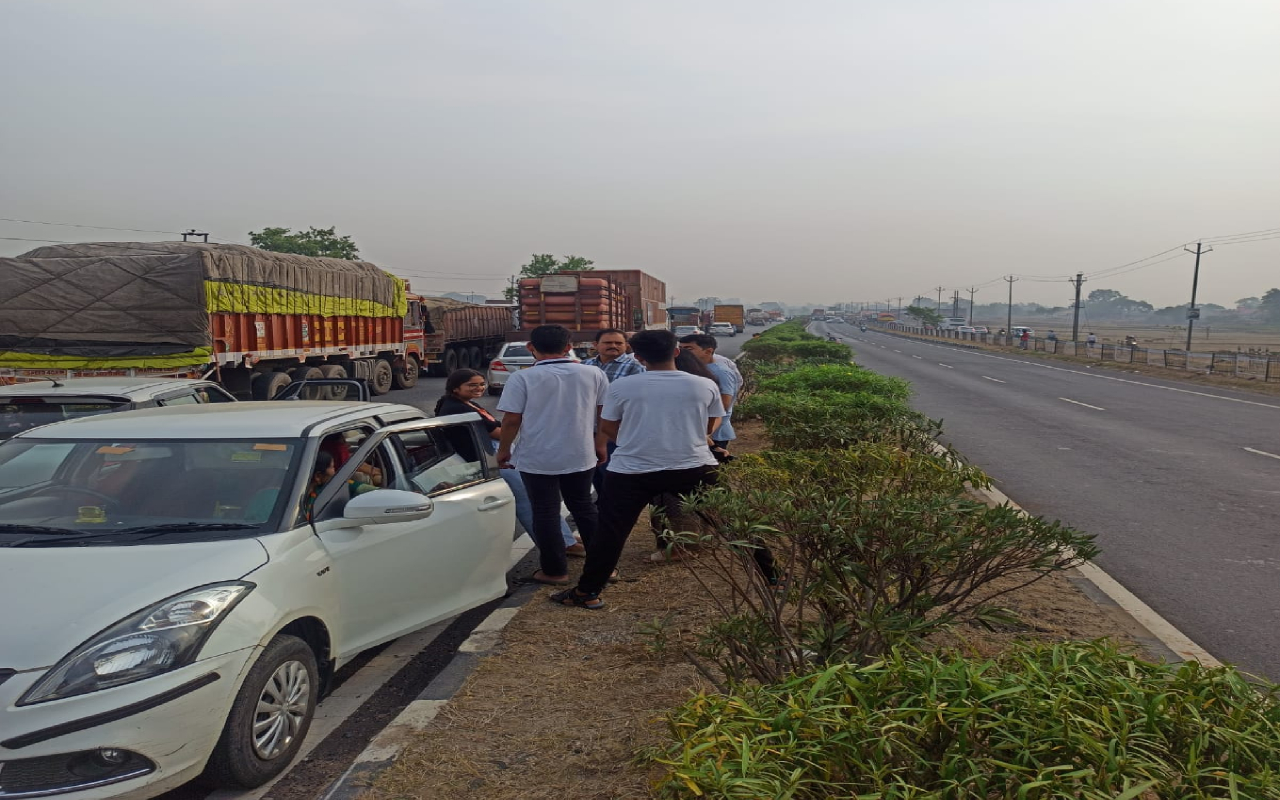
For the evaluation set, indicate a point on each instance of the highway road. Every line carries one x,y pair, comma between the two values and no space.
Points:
1179,483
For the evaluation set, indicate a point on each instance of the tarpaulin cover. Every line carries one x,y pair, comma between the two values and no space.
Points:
142,300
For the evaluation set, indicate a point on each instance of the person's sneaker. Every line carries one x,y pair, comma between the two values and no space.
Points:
578,550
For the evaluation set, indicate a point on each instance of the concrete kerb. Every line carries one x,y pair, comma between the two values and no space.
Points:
383,750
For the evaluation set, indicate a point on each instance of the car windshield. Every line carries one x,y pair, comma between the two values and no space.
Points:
18,414
116,492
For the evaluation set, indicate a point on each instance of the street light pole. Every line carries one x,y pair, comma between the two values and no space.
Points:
1193,312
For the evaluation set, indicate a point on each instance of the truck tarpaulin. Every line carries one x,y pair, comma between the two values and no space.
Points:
123,300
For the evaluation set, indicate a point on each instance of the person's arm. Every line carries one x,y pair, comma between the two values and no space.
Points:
510,427
609,429
604,436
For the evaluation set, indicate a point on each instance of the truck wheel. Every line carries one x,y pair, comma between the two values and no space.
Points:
450,361
406,378
269,718
309,374
239,382
475,359
267,384
334,371
380,378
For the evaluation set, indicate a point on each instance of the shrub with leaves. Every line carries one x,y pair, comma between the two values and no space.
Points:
1077,720
880,547
836,419
846,378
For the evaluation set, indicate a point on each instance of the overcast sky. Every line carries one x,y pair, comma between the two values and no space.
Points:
805,151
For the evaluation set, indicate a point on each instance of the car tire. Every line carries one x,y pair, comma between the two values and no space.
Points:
267,384
285,675
381,376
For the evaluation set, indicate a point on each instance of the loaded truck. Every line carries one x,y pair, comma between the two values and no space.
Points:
250,319
757,316
684,315
731,314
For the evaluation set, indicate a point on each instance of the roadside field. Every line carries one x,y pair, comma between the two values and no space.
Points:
1205,337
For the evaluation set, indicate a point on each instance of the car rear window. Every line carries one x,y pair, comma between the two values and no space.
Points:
516,351
18,414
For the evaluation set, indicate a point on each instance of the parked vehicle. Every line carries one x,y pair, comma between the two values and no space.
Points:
818,314
454,334
981,329
1016,331
952,323
513,357
966,329
757,317
687,330
678,316
722,329
29,405
646,294
249,319
732,314
213,588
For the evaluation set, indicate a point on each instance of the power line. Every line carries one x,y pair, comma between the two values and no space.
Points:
74,225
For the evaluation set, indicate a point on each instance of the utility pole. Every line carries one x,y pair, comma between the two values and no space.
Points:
939,306
899,308
1075,308
955,303
1193,313
1009,325
971,294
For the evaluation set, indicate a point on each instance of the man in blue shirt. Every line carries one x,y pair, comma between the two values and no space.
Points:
612,357
703,347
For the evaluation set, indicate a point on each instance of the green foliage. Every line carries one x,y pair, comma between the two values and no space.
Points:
1075,720
1269,306
544,264
928,316
311,242
835,419
882,547
838,378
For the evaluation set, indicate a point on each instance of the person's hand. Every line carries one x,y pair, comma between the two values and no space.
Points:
504,459
602,454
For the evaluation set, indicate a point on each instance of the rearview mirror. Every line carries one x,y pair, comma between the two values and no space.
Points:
387,505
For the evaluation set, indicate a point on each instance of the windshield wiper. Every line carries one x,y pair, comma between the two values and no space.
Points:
15,528
184,527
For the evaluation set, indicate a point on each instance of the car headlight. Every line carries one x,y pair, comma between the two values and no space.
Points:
157,639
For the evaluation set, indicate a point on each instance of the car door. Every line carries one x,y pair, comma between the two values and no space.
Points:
396,577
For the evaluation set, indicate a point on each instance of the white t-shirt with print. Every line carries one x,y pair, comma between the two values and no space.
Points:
558,400
663,417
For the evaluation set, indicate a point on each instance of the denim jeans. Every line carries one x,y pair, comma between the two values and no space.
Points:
545,493
524,509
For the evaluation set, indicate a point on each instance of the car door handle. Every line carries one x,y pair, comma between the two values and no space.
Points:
492,503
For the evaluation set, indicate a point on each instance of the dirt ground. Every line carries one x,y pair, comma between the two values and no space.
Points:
561,709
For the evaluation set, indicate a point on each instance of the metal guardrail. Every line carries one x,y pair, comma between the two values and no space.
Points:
1265,368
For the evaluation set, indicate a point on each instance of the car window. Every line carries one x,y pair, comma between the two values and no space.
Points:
213,394
180,400
442,458
516,351
23,413
26,464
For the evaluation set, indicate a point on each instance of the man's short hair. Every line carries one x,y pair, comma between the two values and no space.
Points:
548,339
704,340
601,334
654,347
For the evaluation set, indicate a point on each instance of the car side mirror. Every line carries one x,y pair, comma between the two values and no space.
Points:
387,505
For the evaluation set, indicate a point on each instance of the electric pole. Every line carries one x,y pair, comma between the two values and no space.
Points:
899,308
971,294
1075,314
1009,326
955,303
1193,313
938,308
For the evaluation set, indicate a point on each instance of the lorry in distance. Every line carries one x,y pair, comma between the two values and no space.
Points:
757,316
733,314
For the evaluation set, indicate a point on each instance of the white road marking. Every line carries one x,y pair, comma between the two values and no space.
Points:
948,366
1077,402
997,380
897,351
916,357
1262,453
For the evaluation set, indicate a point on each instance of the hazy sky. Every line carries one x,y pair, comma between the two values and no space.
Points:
804,151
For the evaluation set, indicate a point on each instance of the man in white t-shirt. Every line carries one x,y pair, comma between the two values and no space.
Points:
552,407
660,419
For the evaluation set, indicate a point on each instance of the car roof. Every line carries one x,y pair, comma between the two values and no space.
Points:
263,419
132,388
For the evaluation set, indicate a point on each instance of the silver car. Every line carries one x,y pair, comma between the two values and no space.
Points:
513,357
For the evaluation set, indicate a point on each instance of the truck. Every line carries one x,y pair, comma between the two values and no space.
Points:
252,320
454,334
732,314
819,314
683,315
647,295
583,302
757,316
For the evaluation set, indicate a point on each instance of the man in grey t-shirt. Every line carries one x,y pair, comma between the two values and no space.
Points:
552,407
660,419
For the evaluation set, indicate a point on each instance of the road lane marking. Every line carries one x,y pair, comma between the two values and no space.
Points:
1077,402
916,357
997,380
897,351
948,366
1262,453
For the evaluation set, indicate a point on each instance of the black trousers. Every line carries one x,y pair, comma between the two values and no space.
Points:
545,493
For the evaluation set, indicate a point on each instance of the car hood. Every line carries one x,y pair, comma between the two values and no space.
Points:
61,596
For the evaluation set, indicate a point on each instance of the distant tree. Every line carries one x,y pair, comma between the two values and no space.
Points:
1249,302
1269,306
544,264
926,315
1103,296
311,242
921,301
1106,303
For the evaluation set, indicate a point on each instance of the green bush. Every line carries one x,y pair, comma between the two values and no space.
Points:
881,547
1077,720
837,378
836,419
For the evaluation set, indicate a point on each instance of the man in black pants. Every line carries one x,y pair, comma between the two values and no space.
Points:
660,419
553,406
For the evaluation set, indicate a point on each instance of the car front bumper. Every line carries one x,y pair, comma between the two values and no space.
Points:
131,742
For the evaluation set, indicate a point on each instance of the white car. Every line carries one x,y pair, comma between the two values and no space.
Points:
687,330
29,405
966,329
722,329
186,587
513,357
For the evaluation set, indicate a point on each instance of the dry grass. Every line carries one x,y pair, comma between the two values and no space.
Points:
571,695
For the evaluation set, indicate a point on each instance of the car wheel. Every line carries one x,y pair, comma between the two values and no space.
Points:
381,378
270,716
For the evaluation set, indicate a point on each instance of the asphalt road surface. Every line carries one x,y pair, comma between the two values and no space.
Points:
1179,483
369,692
